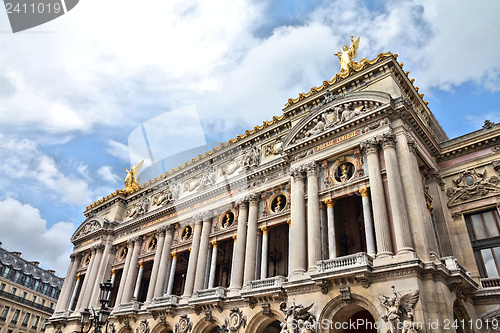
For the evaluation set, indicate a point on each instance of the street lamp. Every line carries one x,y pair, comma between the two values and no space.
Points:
99,319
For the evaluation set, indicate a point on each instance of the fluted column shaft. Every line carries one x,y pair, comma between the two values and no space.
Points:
121,288
85,294
65,294
132,272
402,229
75,290
101,271
202,256
324,231
381,221
313,220
160,235
298,257
239,248
332,242
367,218
250,252
193,260
213,265
172,274
265,252
138,281
162,268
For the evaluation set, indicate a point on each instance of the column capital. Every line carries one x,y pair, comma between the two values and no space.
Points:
369,146
113,272
97,247
160,232
174,255
141,264
264,229
364,192
207,216
388,140
132,240
312,168
78,277
253,199
297,172
234,238
76,255
215,243
412,145
289,223
198,218
329,203
241,203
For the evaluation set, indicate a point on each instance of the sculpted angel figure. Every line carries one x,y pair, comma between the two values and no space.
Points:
399,309
297,319
347,55
131,183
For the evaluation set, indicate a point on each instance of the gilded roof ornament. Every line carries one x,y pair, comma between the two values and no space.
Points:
131,183
347,56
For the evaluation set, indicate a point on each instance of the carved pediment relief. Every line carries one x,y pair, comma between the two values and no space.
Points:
470,185
138,208
207,178
166,196
334,113
89,226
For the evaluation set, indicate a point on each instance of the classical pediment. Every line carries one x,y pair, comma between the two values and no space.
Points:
89,226
334,112
472,185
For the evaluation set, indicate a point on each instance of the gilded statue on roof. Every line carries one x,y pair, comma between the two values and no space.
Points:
347,56
131,183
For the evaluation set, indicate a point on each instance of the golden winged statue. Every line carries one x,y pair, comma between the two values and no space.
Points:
347,56
131,183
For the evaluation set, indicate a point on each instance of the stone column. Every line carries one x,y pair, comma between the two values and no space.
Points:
138,281
207,268
258,255
324,231
172,274
193,258
65,294
250,252
313,221
213,265
289,222
90,276
121,288
332,241
160,236
367,218
101,270
162,269
402,229
298,257
203,251
381,221
75,290
113,277
239,247
132,272
265,252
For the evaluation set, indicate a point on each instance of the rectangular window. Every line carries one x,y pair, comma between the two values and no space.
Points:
484,232
5,312
43,302
26,320
13,291
33,299
2,286
15,317
6,272
51,305
43,326
35,323
24,294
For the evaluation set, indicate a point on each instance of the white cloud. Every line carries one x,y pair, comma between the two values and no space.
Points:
24,230
106,173
23,161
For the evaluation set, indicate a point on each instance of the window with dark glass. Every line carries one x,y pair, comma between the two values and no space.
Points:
2,286
43,326
15,317
5,312
13,291
35,323
24,294
26,320
484,232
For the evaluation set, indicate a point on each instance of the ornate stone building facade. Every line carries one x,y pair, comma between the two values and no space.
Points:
28,294
352,206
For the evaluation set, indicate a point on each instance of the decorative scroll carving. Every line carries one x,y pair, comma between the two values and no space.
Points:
471,184
297,316
273,148
359,162
235,320
184,325
143,327
251,158
399,311
140,208
345,294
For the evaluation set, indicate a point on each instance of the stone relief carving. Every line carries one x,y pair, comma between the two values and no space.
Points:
230,168
235,320
251,158
184,325
273,148
297,316
88,228
140,208
111,328
345,294
470,184
399,311
143,327
168,195
208,177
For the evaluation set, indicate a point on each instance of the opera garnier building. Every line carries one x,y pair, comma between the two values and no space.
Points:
352,211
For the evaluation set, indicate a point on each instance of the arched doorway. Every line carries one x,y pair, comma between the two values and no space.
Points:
273,327
460,315
367,322
353,318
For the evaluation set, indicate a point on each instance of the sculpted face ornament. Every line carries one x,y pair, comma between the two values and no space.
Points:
399,311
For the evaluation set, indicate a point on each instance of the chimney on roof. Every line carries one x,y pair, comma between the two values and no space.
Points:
50,271
17,254
34,263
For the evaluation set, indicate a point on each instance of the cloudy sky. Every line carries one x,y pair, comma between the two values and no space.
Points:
72,90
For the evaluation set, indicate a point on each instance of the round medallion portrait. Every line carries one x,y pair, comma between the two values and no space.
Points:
278,203
344,172
186,233
123,253
152,244
227,219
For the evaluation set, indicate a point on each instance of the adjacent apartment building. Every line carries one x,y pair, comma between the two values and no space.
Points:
28,294
352,205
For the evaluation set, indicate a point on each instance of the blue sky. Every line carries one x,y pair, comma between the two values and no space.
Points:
72,90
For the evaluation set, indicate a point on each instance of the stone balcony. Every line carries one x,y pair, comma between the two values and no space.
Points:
127,308
162,306
208,296
493,282
351,263
272,286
